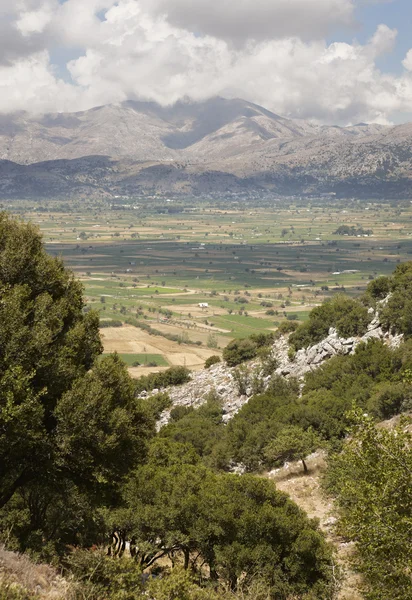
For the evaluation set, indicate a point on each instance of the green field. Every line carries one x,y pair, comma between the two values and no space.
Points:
252,264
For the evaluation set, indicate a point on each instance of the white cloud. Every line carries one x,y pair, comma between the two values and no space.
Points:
158,52
407,61
241,20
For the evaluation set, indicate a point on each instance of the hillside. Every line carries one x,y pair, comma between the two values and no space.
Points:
207,147
85,476
220,379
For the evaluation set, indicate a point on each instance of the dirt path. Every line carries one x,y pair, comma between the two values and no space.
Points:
306,491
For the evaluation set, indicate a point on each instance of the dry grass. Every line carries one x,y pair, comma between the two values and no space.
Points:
42,581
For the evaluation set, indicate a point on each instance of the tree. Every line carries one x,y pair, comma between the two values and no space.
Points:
237,526
372,479
292,443
350,317
238,351
65,419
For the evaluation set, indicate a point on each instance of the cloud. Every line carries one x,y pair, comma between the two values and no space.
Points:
241,20
132,50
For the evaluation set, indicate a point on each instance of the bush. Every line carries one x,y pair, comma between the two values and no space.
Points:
110,323
389,399
396,315
239,351
287,327
157,404
350,318
371,479
202,428
378,289
212,360
242,378
102,577
173,376
268,360
12,591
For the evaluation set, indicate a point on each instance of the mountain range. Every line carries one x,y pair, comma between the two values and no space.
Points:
211,147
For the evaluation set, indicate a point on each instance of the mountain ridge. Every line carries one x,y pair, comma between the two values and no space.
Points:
214,146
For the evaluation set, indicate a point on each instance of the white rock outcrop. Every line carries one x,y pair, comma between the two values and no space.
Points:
219,378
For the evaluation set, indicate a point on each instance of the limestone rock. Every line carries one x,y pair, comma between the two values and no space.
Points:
219,377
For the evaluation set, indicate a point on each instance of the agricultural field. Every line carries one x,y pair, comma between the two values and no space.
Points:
179,280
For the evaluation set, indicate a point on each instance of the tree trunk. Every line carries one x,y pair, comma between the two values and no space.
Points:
7,494
187,557
233,582
305,467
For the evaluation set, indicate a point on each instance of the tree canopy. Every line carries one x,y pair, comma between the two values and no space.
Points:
237,526
66,419
372,481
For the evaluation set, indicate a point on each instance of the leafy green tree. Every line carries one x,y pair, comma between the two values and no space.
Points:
372,480
292,443
46,344
173,376
350,317
67,421
237,526
378,289
102,430
202,428
238,351
259,421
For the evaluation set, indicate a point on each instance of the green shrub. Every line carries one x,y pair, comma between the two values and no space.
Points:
201,428
378,289
239,351
286,327
101,576
212,360
268,360
110,323
350,318
13,591
172,376
242,379
388,399
371,479
157,404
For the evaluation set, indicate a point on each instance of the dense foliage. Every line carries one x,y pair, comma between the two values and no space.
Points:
239,351
236,526
396,313
372,481
70,426
153,381
350,317
79,459
212,360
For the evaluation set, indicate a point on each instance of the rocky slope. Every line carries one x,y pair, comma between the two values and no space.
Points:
207,147
219,378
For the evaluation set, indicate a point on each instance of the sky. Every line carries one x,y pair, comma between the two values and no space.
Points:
330,61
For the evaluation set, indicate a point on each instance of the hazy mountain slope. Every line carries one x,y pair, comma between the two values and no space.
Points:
147,131
206,147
